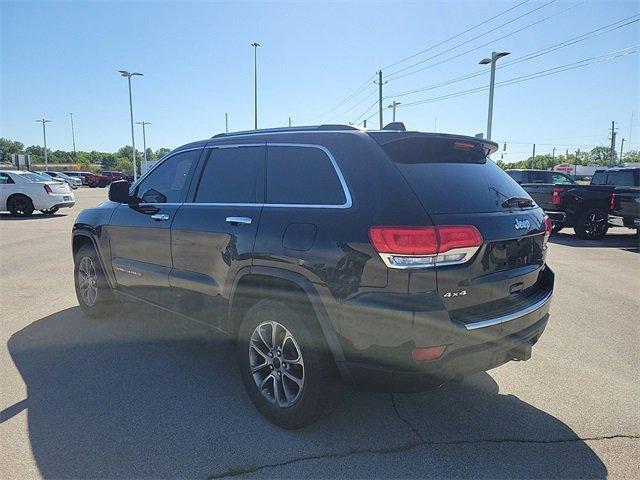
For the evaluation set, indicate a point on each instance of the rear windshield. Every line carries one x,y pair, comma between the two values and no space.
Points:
447,179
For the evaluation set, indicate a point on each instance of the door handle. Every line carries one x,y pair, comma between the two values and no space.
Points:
160,217
238,220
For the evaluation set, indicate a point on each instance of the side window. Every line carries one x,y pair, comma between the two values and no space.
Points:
559,179
599,178
232,175
621,178
167,182
538,177
5,179
302,176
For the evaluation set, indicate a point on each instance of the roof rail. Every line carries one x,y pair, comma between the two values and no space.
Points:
309,128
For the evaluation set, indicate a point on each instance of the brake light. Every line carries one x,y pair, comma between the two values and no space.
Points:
47,188
421,247
555,196
548,228
613,205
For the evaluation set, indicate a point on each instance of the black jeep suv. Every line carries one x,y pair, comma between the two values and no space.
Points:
387,259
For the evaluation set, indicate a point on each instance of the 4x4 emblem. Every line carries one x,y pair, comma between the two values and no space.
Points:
520,224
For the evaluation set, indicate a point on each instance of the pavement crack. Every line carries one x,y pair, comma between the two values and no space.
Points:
404,420
233,472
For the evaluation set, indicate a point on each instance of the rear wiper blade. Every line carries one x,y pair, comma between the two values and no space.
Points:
517,201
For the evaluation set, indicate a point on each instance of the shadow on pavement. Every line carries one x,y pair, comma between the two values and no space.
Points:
35,216
149,395
623,241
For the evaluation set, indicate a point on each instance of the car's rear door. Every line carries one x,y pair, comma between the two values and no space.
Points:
140,235
213,233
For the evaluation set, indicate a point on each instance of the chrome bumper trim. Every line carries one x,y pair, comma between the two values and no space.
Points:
511,316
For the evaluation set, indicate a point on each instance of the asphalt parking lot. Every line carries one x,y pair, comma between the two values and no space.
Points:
148,394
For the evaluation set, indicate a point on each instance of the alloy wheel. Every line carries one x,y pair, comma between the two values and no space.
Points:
88,281
276,363
595,224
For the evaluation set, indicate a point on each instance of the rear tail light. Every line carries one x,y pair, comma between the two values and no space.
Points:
614,202
548,228
423,354
47,188
555,197
422,247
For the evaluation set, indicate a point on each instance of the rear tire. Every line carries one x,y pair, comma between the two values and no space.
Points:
592,225
20,205
92,289
293,393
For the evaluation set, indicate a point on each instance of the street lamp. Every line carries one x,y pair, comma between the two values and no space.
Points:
393,105
144,144
73,136
255,46
124,73
43,121
494,58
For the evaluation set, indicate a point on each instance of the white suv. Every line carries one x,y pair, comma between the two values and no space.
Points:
23,192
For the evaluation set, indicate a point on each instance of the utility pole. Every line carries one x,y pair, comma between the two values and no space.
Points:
127,74
43,121
255,46
613,142
289,121
380,83
73,136
364,124
226,123
494,58
553,153
144,143
533,157
621,147
393,106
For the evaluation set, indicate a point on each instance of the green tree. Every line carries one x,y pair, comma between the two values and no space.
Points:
108,161
632,156
161,152
9,147
602,155
124,165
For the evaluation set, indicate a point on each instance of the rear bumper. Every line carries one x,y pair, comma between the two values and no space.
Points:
476,345
557,218
64,205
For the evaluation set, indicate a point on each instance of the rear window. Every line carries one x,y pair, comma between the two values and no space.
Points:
599,178
451,180
621,178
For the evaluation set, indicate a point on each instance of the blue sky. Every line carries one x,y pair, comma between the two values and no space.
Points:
61,57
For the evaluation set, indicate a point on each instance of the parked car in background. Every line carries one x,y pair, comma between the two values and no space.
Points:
23,192
49,177
282,239
625,201
91,179
113,176
73,182
586,208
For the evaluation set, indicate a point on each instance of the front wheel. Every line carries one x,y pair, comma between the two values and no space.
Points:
592,225
286,369
92,289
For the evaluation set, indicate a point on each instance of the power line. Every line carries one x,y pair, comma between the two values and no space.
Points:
531,76
366,111
355,93
455,36
538,53
373,92
396,77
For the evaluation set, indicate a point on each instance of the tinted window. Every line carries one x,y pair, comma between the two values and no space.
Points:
599,178
538,177
302,175
167,182
4,178
426,149
621,178
560,179
517,176
232,175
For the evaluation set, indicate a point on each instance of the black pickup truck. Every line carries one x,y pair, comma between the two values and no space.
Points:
625,200
586,208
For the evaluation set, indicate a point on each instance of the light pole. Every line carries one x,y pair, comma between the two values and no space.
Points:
73,136
144,144
494,58
43,121
255,46
226,123
124,73
393,105
553,153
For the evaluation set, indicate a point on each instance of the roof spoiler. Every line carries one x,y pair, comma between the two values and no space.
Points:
397,126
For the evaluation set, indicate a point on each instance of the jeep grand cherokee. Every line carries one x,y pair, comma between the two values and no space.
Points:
388,259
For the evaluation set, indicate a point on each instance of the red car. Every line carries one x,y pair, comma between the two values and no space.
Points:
91,179
113,176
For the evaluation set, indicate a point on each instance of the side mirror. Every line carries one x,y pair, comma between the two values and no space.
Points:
119,191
